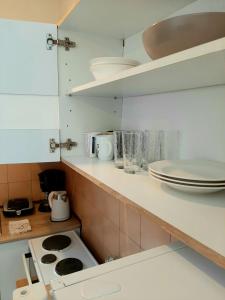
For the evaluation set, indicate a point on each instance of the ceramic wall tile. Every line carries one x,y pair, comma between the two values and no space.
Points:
20,189
128,246
173,239
37,194
3,192
3,174
111,239
19,172
151,234
108,205
130,222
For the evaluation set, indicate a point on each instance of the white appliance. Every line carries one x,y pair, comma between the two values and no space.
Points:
173,272
105,146
59,254
90,142
59,203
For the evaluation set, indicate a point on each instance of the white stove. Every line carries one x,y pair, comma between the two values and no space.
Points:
59,254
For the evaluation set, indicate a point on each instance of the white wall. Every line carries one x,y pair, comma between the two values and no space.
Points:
199,115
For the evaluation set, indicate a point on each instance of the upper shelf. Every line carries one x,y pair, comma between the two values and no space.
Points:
199,66
119,19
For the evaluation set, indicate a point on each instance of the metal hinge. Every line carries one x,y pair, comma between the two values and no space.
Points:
66,43
68,145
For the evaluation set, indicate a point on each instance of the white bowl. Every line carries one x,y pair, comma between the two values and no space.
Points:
103,67
107,70
114,60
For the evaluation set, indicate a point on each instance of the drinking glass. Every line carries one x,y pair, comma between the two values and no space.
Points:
145,149
118,149
169,144
132,143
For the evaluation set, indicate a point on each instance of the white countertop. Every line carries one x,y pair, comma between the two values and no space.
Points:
202,217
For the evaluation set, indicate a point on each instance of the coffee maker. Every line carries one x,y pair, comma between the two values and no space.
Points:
50,180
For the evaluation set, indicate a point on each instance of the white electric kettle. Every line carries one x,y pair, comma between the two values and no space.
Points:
59,204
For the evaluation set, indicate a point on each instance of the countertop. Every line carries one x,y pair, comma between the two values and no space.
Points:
40,224
197,220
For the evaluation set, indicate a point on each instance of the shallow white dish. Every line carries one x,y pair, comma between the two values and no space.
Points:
103,71
189,188
114,60
211,184
104,67
190,170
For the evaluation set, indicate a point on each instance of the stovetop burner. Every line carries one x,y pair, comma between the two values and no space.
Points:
56,242
48,259
68,266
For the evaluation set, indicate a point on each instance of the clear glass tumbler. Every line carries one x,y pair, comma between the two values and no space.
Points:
118,149
132,151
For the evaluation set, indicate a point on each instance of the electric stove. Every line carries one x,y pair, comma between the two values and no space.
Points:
58,255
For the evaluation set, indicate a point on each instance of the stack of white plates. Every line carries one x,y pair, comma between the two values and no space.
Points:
103,67
199,176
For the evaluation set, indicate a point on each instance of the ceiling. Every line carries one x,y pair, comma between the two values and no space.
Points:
46,11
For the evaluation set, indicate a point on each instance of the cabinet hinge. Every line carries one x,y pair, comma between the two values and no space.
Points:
68,145
66,43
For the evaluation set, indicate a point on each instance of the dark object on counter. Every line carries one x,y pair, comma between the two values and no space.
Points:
183,32
18,207
50,180
44,206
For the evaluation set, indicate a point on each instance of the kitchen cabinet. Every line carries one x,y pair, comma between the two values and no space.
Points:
184,91
29,114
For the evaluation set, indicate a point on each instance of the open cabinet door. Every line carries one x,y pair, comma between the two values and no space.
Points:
29,106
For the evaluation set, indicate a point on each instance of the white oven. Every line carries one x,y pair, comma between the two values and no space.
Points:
168,272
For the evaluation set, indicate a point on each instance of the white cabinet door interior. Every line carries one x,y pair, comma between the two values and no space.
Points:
29,103
26,66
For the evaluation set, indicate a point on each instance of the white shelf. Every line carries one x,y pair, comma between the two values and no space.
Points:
201,217
199,66
119,19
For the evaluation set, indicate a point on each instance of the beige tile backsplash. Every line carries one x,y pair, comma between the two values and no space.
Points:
111,227
21,180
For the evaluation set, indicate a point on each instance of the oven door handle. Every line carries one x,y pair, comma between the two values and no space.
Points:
24,256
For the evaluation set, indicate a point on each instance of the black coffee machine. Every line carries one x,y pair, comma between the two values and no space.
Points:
50,180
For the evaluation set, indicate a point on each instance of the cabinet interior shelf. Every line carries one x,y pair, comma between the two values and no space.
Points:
200,66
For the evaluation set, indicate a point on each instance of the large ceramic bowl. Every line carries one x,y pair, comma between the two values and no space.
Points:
183,32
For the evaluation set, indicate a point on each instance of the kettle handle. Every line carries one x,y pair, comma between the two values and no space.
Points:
50,198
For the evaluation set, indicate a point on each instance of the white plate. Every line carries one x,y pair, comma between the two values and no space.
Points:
186,187
190,170
188,182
